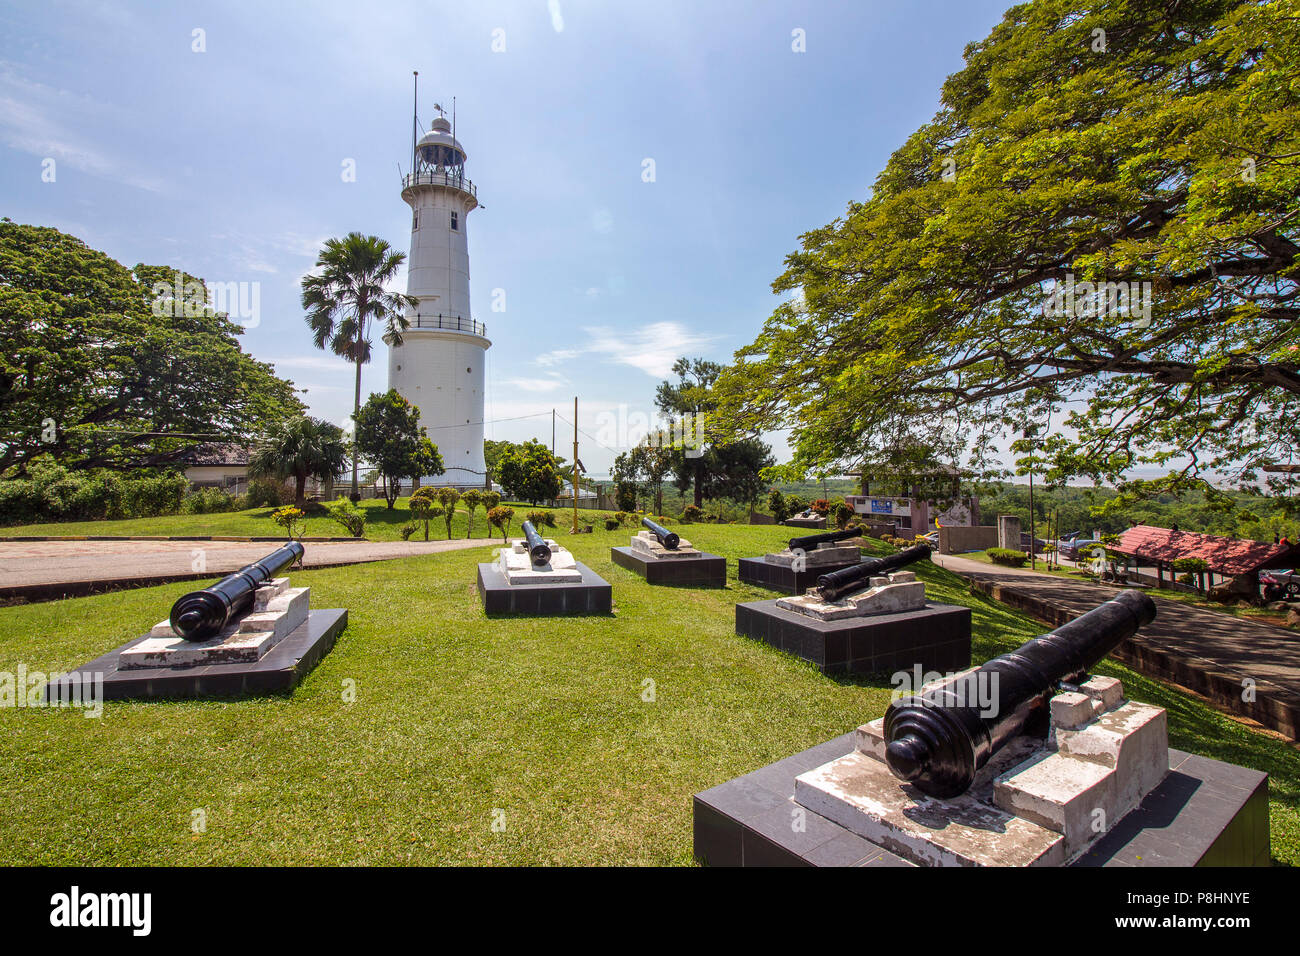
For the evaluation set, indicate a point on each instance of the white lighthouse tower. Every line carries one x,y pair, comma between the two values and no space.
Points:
439,365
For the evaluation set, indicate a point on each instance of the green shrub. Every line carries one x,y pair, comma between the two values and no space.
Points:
841,513
50,492
541,519
692,513
352,518
288,518
207,501
1007,557
263,493
408,529
500,517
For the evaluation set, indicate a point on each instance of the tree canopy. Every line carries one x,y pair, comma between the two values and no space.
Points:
300,449
97,370
528,472
347,295
389,435
1123,141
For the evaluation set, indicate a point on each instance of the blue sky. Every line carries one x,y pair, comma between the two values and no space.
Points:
228,162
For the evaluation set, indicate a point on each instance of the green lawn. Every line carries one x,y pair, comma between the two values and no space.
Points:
382,524
458,716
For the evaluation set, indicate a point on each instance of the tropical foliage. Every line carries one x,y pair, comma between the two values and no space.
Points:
347,295
104,366
1129,141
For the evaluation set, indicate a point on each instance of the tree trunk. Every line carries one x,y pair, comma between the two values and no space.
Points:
356,412
699,490
300,491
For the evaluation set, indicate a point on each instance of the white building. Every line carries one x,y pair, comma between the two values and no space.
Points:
439,365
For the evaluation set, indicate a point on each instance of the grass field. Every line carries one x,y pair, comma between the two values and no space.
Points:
382,524
541,725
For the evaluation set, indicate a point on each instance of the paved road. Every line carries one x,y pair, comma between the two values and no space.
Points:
1207,641
47,563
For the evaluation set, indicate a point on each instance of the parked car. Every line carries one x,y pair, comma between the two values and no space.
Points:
1076,548
931,539
1280,585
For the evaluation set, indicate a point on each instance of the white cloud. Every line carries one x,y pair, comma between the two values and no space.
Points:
53,123
324,362
552,382
557,356
652,349
557,18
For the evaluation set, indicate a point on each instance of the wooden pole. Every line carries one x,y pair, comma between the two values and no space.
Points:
575,464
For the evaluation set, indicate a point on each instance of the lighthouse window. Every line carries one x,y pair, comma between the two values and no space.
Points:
415,220
455,222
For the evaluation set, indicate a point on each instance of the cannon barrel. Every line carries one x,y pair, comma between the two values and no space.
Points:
835,584
939,738
538,549
810,541
202,614
669,539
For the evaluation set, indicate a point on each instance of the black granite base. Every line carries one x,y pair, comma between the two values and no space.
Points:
935,638
278,672
706,571
1205,813
593,595
781,577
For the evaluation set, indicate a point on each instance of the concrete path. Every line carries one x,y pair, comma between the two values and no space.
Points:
41,570
1211,652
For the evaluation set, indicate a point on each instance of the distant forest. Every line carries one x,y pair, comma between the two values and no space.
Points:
1250,516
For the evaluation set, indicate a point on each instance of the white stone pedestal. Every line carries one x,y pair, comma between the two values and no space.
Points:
1036,803
897,592
647,545
277,610
517,566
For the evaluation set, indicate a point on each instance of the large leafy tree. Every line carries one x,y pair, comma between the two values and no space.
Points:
102,366
689,400
1122,141
529,472
300,449
347,295
389,435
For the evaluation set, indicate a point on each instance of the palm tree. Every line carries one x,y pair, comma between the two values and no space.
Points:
300,449
347,295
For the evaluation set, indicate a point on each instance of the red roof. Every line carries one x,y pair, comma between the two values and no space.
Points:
1224,555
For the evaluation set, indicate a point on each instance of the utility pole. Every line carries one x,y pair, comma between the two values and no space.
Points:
552,433
575,462
1031,432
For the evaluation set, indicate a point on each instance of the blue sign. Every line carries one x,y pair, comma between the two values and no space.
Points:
882,507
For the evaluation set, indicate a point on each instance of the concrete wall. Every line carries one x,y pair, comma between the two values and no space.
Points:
956,539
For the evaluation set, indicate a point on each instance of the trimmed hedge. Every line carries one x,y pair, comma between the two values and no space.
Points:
1007,557
52,493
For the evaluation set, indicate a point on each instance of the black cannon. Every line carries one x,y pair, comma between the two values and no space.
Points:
808,542
668,539
538,549
940,738
200,615
835,584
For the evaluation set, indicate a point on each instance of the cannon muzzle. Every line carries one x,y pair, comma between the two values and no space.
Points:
200,615
940,737
835,584
538,549
668,539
